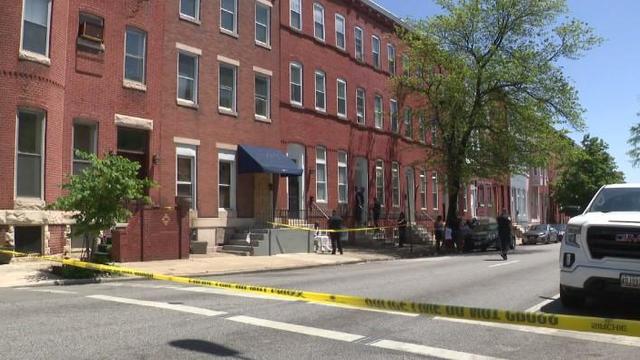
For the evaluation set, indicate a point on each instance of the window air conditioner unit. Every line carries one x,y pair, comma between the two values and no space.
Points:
91,31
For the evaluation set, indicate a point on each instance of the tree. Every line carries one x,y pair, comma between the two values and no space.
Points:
583,172
634,141
99,195
487,73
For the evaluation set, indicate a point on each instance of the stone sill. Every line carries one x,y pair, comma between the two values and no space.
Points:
187,103
134,85
37,58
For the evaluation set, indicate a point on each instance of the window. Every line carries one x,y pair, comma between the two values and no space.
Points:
295,14
36,26
342,177
29,154
375,51
295,79
318,21
380,181
188,77
434,190
84,139
321,93
263,96
225,184
227,88
340,32
481,196
321,174
391,56
395,184
342,98
186,173
464,198
228,16
134,55
421,129
423,190
378,111
405,65
408,123
393,115
359,45
434,133
190,9
263,24
360,105
90,32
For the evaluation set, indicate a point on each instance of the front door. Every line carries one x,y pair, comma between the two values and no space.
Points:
362,182
294,195
133,144
411,196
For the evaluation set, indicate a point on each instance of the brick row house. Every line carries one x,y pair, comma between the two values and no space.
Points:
254,110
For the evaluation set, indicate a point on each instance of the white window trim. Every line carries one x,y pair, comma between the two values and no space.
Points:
144,60
230,157
326,175
375,120
233,32
43,128
346,180
299,14
268,78
344,32
30,55
434,190
466,200
184,16
390,49
373,52
355,43
364,106
85,122
346,102
186,102
319,6
381,166
391,107
269,7
324,93
423,181
234,94
191,151
395,169
298,66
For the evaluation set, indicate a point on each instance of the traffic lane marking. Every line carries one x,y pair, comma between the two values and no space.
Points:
428,351
577,335
505,263
50,291
537,307
159,305
299,329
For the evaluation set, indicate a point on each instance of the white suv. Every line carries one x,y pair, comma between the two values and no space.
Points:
600,252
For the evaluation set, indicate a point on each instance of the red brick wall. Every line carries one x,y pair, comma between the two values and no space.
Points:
57,239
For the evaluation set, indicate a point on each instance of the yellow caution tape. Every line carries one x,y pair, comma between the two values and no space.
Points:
332,231
553,321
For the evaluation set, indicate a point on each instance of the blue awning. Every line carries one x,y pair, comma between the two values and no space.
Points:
255,159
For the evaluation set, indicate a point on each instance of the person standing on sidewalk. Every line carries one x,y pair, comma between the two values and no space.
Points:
335,223
504,233
377,208
439,232
359,205
402,229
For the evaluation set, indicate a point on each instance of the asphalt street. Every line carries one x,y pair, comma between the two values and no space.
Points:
158,320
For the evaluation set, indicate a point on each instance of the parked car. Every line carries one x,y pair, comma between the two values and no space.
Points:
561,228
485,235
543,233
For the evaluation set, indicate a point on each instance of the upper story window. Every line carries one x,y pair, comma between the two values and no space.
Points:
391,56
227,87
360,105
229,16
393,115
421,129
318,21
190,9
295,14
29,153
359,45
342,98
295,80
340,32
263,96
375,51
378,112
85,140
321,93
263,24
134,55
90,31
36,26
408,123
188,77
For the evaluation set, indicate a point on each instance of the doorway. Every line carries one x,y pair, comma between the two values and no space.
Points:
133,144
295,184
362,182
411,196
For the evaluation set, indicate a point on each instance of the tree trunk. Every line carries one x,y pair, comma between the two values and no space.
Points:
453,190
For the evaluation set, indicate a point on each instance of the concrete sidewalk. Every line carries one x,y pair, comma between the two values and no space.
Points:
36,273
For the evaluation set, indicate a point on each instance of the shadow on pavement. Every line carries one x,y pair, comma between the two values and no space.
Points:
207,347
613,308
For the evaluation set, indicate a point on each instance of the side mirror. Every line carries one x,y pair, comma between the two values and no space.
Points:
572,210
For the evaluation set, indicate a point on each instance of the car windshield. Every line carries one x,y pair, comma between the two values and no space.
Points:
539,228
561,227
616,199
485,227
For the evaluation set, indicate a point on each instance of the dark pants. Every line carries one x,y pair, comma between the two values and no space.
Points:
335,241
439,239
505,243
402,236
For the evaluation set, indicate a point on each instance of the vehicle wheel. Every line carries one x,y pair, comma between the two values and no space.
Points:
547,240
571,299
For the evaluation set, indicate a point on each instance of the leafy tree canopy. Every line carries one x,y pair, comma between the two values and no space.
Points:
634,141
486,73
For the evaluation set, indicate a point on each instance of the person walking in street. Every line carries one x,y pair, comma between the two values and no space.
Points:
402,229
439,232
377,208
504,233
335,223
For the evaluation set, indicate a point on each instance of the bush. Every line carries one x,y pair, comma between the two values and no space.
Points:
72,272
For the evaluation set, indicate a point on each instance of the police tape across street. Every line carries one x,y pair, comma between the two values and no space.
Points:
553,321
362,229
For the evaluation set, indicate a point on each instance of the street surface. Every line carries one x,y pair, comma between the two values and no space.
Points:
157,320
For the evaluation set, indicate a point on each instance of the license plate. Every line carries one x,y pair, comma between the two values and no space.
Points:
630,281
